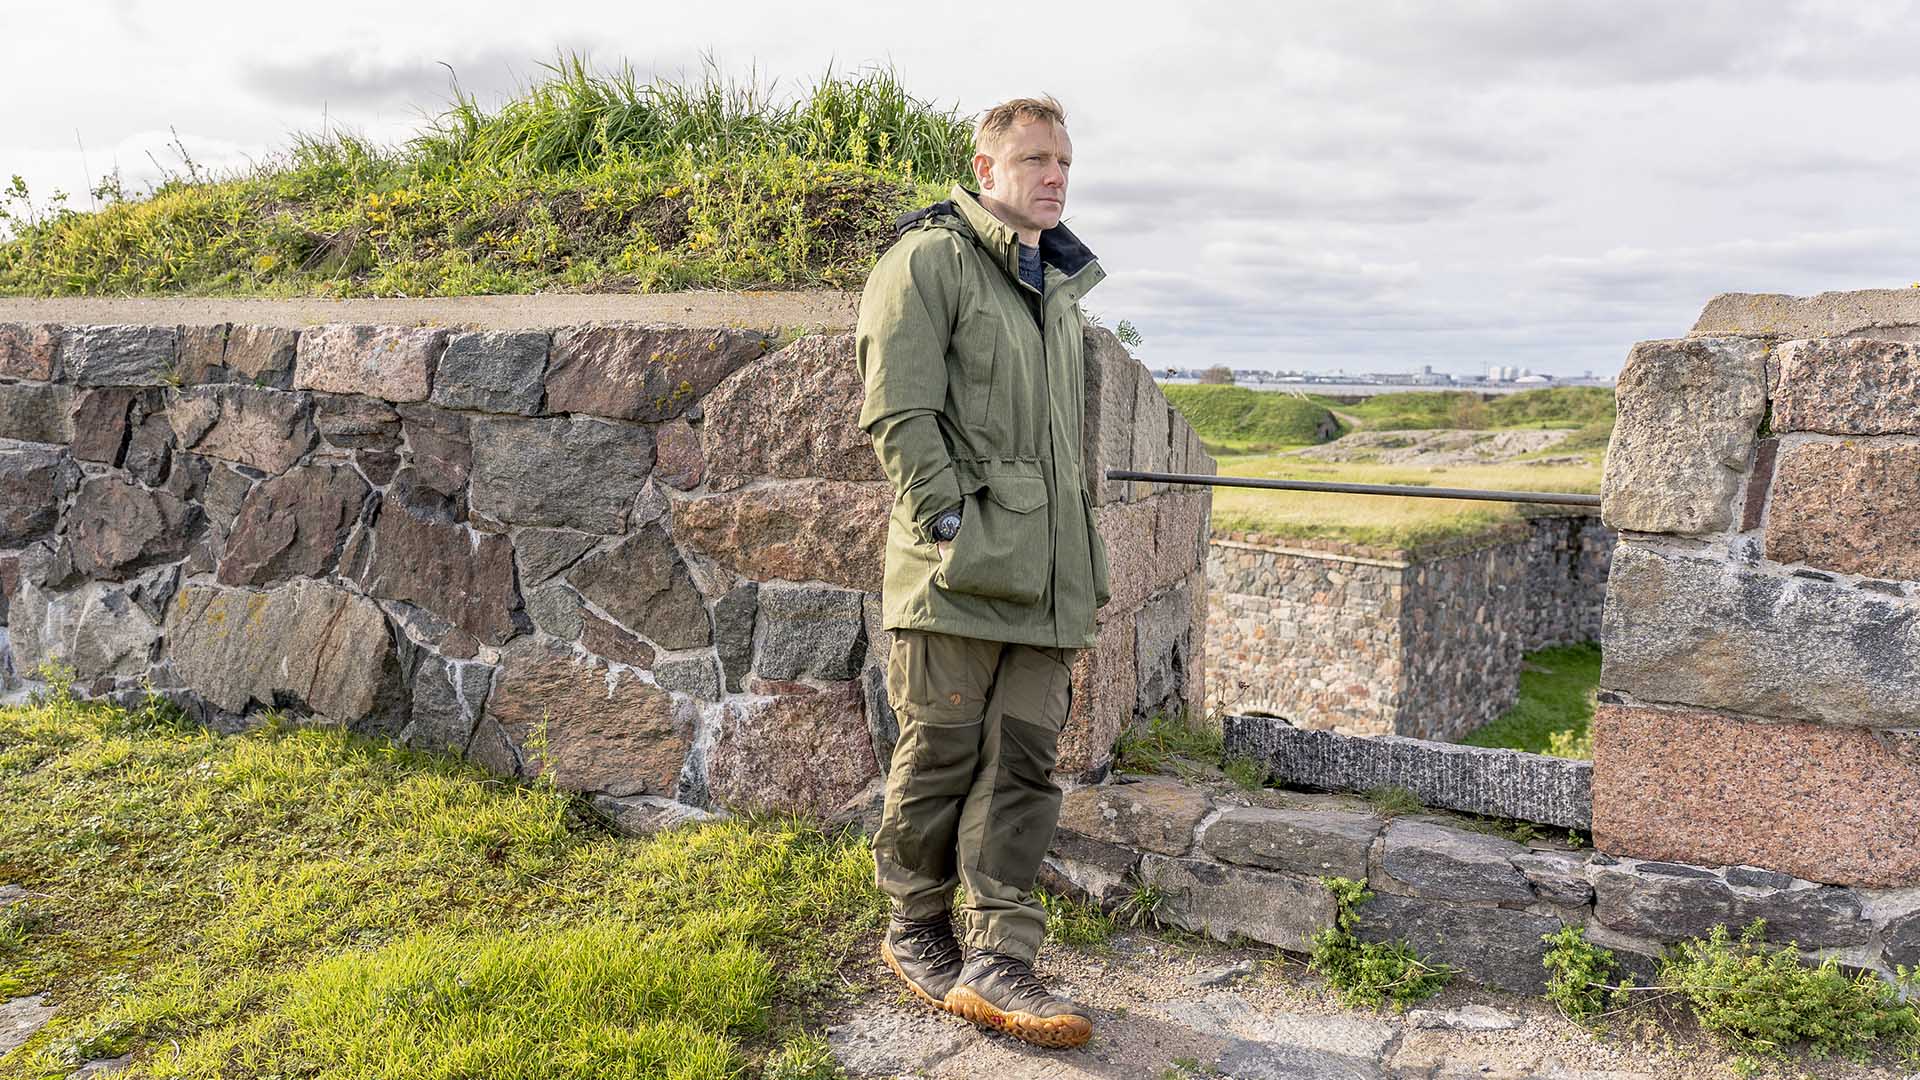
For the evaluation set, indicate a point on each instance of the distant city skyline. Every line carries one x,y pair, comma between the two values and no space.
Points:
1287,185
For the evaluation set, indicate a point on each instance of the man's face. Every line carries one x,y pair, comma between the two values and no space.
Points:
1027,176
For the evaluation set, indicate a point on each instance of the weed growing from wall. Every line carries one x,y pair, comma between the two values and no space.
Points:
1369,973
1758,999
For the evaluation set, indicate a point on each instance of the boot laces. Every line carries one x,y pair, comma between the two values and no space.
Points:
1018,976
930,939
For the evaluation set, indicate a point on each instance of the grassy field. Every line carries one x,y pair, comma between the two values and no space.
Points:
587,180
297,902
1552,406
1555,707
1250,431
1380,520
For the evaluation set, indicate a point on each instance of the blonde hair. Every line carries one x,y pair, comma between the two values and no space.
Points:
996,121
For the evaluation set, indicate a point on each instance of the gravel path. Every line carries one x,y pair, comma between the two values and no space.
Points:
1177,1009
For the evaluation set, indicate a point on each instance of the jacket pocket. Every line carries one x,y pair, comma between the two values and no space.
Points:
1102,587
1003,550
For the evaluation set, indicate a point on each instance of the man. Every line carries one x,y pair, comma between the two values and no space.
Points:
969,342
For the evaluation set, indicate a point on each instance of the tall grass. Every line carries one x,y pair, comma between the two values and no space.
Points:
581,119
583,180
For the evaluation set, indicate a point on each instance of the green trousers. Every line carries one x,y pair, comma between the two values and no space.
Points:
970,794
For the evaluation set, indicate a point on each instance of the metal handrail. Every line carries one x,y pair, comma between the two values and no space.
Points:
1561,498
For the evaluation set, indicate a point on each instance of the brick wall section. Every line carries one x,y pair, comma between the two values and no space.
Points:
641,558
1762,632
1369,641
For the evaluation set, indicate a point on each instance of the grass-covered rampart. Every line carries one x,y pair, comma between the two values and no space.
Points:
585,181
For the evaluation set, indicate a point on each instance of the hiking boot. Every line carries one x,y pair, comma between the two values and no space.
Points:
924,954
1002,992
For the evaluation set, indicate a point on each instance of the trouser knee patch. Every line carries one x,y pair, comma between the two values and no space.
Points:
1025,807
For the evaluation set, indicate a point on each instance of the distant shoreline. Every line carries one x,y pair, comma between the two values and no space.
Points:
1370,389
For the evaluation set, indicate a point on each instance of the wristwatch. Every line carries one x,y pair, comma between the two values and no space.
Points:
946,526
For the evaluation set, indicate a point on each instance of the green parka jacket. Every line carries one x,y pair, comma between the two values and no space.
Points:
975,394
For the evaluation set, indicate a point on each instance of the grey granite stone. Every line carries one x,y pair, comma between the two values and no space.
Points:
1442,863
695,675
1638,898
733,619
1278,909
1333,843
1686,630
493,371
1490,946
448,701
1497,783
1558,877
806,631
119,355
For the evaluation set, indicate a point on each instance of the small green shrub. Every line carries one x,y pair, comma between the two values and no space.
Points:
1155,747
1763,1000
1580,976
1760,999
1142,905
1369,973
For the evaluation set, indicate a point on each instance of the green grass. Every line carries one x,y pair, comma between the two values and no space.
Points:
298,901
1164,742
1077,923
1555,708
1387,521
1235,419
587,180
1550,407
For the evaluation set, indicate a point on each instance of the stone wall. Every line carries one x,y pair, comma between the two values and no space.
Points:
1232,864
643,559
1372,641
1761,688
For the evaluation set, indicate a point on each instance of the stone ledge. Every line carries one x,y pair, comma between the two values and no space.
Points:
813,309
1478,780
1458,894
1829,314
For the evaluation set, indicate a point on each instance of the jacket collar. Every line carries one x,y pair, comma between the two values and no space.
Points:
1059,248
1076,267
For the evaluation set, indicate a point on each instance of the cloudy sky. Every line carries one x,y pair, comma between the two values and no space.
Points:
1367,186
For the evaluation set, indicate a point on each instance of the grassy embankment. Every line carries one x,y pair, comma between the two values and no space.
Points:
1250,432
586,181
299,902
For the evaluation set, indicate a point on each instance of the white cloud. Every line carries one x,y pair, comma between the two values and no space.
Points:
1364,185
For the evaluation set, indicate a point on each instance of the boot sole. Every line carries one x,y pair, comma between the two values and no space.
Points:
1055,1032
886,953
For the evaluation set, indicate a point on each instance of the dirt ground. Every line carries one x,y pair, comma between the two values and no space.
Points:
1187,1008
1438,448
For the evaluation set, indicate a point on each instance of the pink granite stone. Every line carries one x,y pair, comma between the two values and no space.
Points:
1847,386
1823,803
833,531
802,750
394,363
1855,509
28,351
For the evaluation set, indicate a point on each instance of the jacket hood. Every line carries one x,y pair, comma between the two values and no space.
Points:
961,210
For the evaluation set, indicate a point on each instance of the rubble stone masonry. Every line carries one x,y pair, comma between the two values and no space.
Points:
641,557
